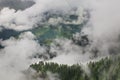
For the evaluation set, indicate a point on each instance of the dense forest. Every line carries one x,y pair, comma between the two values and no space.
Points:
105,69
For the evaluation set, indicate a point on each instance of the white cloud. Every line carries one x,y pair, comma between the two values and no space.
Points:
103,29
104,26
16,56
69,53
26,19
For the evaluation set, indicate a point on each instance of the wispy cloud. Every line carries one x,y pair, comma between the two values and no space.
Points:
102,29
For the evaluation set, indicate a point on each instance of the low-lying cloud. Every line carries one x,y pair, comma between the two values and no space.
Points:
26,19
16,56
102,29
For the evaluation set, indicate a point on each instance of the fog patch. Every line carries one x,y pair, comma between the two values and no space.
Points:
15,57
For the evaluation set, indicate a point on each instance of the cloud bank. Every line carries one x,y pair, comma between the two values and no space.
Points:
16,56
26,19
103,31
104,27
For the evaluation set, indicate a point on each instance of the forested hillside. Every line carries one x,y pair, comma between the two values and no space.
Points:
105,69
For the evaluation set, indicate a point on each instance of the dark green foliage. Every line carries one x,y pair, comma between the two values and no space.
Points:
47,33
7,33
68,25
65,72
105,69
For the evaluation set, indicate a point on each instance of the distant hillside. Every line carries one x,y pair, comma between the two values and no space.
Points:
56,25
16,4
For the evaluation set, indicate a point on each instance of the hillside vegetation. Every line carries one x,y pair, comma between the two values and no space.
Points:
105,69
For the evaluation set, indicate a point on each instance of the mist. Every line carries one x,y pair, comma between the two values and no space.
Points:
26,19
16,56
102,29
